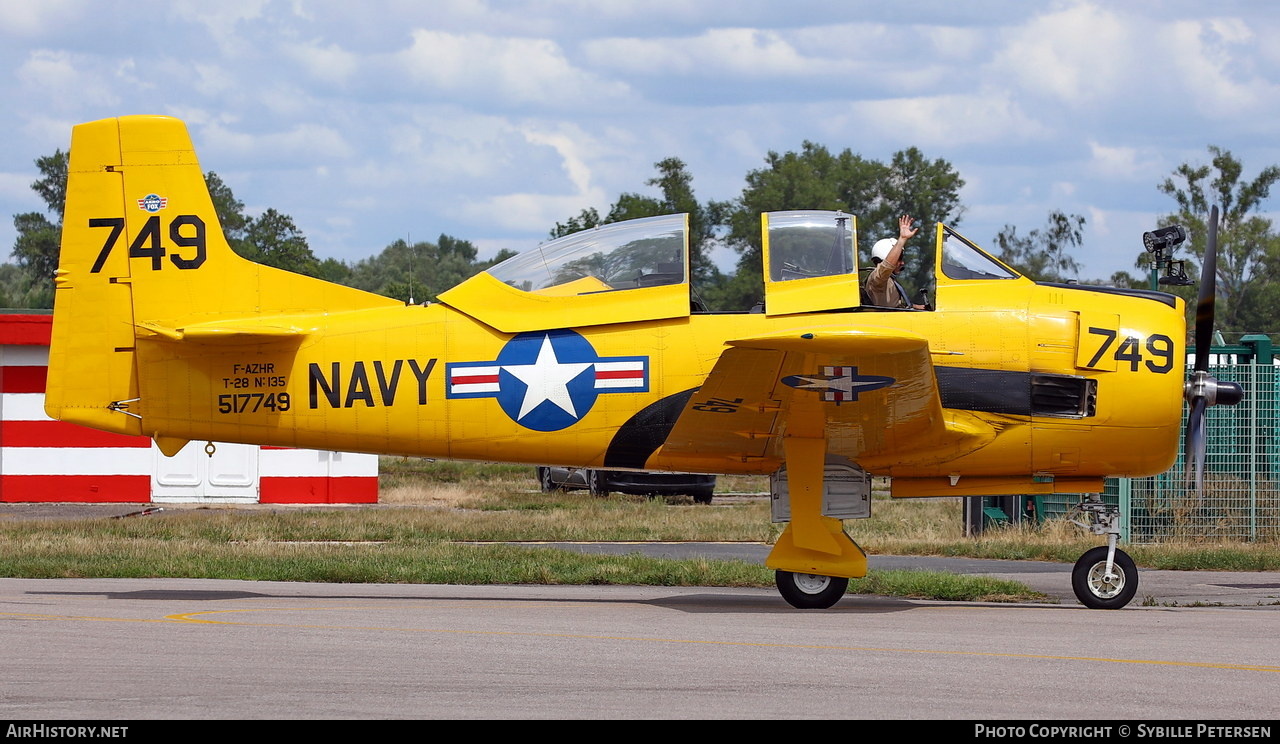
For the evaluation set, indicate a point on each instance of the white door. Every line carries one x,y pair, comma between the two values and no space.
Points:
229,474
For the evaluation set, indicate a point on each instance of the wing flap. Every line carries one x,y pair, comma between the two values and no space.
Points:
871,393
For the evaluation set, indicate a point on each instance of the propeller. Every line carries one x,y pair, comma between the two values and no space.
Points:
1202,389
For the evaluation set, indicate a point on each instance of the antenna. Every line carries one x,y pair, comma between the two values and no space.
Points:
412,257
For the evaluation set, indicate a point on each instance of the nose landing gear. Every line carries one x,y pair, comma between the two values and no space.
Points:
1105,577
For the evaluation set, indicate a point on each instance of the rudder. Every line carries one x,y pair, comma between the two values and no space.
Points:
92,375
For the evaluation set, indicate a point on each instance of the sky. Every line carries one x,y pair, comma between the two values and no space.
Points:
491,121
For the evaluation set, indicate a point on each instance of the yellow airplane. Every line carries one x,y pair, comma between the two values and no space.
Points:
588,351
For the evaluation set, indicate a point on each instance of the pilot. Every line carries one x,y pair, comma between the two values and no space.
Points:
882,287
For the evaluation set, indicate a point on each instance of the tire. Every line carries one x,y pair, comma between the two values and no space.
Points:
596,484
1094,590
702,497
544,480
810,591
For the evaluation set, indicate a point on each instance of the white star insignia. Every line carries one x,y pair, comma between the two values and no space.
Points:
547,380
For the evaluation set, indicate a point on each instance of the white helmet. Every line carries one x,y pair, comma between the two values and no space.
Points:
882,247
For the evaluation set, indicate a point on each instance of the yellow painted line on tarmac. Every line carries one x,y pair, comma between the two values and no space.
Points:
609,542
195,618
88,618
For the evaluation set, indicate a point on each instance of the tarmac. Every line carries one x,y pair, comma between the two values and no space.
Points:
1245,589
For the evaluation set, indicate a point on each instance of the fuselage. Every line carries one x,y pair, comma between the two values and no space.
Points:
1069,391
589,350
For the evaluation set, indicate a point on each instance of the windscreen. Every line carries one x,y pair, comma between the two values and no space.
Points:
647,252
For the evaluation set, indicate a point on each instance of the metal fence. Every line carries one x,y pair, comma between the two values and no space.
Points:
1241,499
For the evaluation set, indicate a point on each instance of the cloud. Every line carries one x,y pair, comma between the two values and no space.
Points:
1123,163
525,212
35,19
223,20
1214,63
1078,56
567,146
16,187
305,145
735,51
519,71
534,211
330,63
64,81
1113,61
492,121
949,121
447,146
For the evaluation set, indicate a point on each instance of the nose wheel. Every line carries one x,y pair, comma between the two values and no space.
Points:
810,591
1100,584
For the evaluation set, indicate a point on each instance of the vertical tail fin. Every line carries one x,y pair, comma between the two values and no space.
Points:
144,258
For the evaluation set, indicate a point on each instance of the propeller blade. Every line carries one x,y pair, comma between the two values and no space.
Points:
1195,450
1208,293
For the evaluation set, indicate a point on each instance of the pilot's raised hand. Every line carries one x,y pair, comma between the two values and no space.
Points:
905,230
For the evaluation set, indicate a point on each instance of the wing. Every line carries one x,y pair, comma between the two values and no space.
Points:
872,394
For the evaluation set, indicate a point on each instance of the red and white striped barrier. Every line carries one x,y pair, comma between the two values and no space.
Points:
46,460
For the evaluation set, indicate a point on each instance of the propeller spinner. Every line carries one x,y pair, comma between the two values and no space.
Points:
1202,389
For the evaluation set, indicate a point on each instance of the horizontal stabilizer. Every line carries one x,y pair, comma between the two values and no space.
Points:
233,332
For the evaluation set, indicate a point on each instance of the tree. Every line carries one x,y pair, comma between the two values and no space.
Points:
52,187
421,271
36,247
274,240
1125,280
1044,255
676,186
335,271
586,219
1248,249
35,250
229,209
18,288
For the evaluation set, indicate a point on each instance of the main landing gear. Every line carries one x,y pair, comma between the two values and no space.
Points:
1105,577
810,591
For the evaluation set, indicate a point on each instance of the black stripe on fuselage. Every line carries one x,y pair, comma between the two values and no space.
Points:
987,390
644,433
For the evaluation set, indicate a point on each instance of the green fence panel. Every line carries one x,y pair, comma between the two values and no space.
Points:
1241,499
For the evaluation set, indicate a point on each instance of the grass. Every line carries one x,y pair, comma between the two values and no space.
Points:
439,521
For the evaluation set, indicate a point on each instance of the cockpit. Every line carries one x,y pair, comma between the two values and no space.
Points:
639,270
961,259
648,252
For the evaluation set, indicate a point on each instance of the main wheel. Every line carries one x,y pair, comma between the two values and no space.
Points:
1098,590
596,485
544,480
810,591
